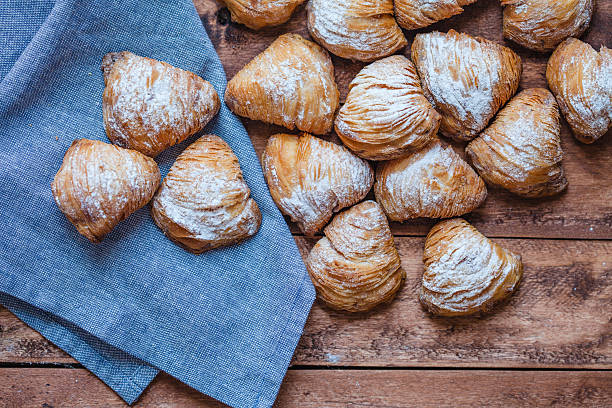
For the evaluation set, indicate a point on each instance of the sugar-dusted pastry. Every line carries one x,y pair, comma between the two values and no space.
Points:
542,24
355,266
290,84
204,203
581,80
521,150
149,105
386,114
467,79
465,273
310,178
99,185
434,182
258,14
413,14
362,30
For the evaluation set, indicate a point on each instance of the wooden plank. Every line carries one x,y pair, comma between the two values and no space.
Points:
559,318
328,388
584,211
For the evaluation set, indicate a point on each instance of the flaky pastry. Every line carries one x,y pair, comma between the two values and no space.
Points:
542,24
204,203
99,185
467,79
465,273
386,114
413,14
290,84
434,182
356,266
258,14
149,105
581,80
521,150
362,30
310,178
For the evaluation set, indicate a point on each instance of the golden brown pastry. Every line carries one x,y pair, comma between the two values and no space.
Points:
465,273
521,150
290,84
204,203
581,80
310,178
355,266
385,114
542,24
362,30
413,14
99,185
467,79
149,105
434,182
258,14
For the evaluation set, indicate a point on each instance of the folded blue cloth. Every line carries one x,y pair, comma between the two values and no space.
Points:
225,322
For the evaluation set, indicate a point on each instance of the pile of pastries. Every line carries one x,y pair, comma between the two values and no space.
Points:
453,85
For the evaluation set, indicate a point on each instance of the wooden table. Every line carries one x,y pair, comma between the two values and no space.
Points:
551,344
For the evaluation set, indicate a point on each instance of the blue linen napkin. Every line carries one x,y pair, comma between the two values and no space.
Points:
226,322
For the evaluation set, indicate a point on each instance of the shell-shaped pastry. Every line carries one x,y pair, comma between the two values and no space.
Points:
290,84
149,105
542,24
465,273
310,178
521,150
413,14
99,185
581,80
362,30
356,266
467,79
386,114
434,182
204,203
258,14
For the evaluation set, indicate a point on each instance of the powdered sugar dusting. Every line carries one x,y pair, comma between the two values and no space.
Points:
464,270
386,113
150,105
433,182
205,195
466,80
362,30
310,178
414,14
290,84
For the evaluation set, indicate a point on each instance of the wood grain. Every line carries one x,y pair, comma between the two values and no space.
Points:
584,211
328,388
560,318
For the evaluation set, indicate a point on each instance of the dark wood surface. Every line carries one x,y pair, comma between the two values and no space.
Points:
550,344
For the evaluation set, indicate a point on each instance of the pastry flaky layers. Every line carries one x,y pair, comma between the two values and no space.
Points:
467,79
99,185
257,14
542,24
204,203
149,105
413,14
290,84
356,266
434,182
386,114
310,178
362,30
581,80
521,150
465,273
